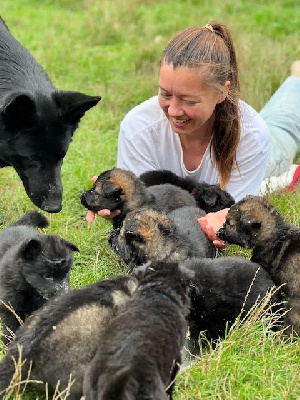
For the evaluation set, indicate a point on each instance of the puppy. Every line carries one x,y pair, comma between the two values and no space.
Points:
149,235
123,190
139,352
254,223
209,198
223,289
37,122
61,338
33,268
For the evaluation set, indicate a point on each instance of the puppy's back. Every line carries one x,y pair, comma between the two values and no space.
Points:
186,221
67,325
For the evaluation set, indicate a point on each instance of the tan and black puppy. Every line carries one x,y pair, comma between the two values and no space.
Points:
139,352
254,223
61,338
209,198
150,235
123,190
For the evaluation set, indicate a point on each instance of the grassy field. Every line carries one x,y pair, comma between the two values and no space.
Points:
112,49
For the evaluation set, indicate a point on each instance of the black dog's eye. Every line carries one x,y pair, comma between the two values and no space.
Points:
133,237
47,275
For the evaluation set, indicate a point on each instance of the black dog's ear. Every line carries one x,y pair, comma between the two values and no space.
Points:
73,105
250,223
19,111
31,249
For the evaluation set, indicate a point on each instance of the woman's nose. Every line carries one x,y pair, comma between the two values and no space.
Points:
175,108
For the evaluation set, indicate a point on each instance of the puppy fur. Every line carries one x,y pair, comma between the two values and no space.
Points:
254,223
149,235
209,198
61,338
223,289
37,122
121,189
33,268
139,352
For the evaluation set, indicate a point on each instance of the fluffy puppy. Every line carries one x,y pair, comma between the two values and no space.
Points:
254,223
121,189
139,352
33,268
209,198
222,289
59,339
149,235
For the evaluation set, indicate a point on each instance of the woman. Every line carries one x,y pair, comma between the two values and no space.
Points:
197,126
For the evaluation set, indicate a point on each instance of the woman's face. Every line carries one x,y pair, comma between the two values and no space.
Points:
187,101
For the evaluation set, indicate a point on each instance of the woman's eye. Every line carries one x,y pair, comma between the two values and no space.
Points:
189,103
165,95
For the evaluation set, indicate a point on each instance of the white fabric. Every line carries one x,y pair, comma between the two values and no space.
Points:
147,142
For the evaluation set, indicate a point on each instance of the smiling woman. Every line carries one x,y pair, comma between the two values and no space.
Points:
197,126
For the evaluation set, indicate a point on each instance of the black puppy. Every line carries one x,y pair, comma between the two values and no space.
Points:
37,122
209,198
254,223
61,338
33,268
139,351
149,235
121,189
222,290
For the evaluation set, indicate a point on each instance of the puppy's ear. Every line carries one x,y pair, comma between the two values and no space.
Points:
249,223
71,245
31,249
19,111
142,270
113,386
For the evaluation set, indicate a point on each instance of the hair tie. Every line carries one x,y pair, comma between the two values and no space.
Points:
208,26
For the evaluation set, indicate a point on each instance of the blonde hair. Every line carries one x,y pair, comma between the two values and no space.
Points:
210,48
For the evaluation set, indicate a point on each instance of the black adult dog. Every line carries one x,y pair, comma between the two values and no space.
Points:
33,268
37,122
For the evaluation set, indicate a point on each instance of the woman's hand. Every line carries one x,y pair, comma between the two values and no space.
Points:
211,223
106,214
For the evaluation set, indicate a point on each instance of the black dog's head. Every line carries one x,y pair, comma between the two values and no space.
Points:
46,261
250,222
35,133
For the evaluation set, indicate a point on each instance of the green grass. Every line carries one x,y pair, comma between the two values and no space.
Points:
112,49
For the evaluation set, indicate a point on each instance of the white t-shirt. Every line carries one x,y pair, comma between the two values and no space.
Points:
147,142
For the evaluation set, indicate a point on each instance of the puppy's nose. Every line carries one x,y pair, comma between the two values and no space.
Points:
83,200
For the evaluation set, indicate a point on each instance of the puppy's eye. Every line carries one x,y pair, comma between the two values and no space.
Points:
133,237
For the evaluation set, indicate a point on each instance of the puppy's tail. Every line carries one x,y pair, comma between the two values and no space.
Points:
13,371
32,218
